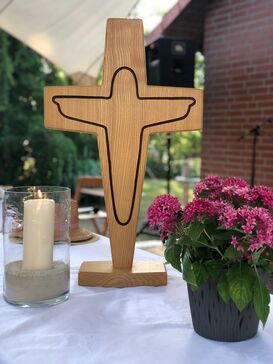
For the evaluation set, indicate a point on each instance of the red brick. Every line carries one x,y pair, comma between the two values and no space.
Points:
239,83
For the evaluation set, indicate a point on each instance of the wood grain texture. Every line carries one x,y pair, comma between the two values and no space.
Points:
103,274
123,112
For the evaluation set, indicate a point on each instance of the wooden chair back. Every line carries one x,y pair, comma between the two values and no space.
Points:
86,181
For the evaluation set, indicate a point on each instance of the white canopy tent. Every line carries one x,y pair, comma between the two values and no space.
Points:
69,33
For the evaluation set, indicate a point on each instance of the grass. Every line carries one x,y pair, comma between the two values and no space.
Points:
151,189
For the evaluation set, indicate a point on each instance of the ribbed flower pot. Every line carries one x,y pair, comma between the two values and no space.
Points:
213,319
270,283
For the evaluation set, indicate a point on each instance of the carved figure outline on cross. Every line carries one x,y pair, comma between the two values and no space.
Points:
123,112
157,101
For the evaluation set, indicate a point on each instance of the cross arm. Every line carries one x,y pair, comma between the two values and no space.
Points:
71,108
174,111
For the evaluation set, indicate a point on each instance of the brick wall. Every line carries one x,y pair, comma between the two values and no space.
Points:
238,48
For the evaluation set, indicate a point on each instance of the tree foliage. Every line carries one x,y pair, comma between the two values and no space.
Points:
184,146
29,153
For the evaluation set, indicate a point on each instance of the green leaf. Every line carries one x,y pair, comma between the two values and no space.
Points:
173,256
210,227
200,273
261,299
240,280
214,268
256,256
196,230
187,241
188,271
269,254
223,235
263,263
215,242
223,288
204,240
194,288
231,252
172,241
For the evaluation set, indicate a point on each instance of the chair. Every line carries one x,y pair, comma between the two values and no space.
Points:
91,186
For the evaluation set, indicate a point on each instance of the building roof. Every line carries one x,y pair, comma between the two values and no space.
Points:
184,20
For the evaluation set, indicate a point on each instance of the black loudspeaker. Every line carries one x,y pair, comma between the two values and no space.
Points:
170,62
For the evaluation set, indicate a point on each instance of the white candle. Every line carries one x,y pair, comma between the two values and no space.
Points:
38,233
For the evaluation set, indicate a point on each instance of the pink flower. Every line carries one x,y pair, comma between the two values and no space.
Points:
228,202
234,241
248,256
254,246
199,207
258,222
236,188
234,182
247,228
235,192
227,214
262,194
163,214
210,185
214,187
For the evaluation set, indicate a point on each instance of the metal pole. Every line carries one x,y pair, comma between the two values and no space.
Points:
168,176
254,147
256,132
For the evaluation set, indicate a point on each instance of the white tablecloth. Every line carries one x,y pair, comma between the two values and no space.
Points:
146,325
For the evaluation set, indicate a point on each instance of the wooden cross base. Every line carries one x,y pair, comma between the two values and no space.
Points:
103,274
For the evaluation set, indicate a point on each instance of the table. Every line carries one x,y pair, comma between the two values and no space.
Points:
95,191
142,325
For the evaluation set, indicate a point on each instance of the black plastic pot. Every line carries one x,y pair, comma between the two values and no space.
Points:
270,283
213,319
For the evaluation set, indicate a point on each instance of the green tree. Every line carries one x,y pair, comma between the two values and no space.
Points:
199,71
6,79
29,153
184,145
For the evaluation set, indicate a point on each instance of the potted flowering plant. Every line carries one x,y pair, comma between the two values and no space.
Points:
222,243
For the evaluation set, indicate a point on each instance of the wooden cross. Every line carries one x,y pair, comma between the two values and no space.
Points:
124,111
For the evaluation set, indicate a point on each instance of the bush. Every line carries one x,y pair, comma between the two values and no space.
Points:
29,153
